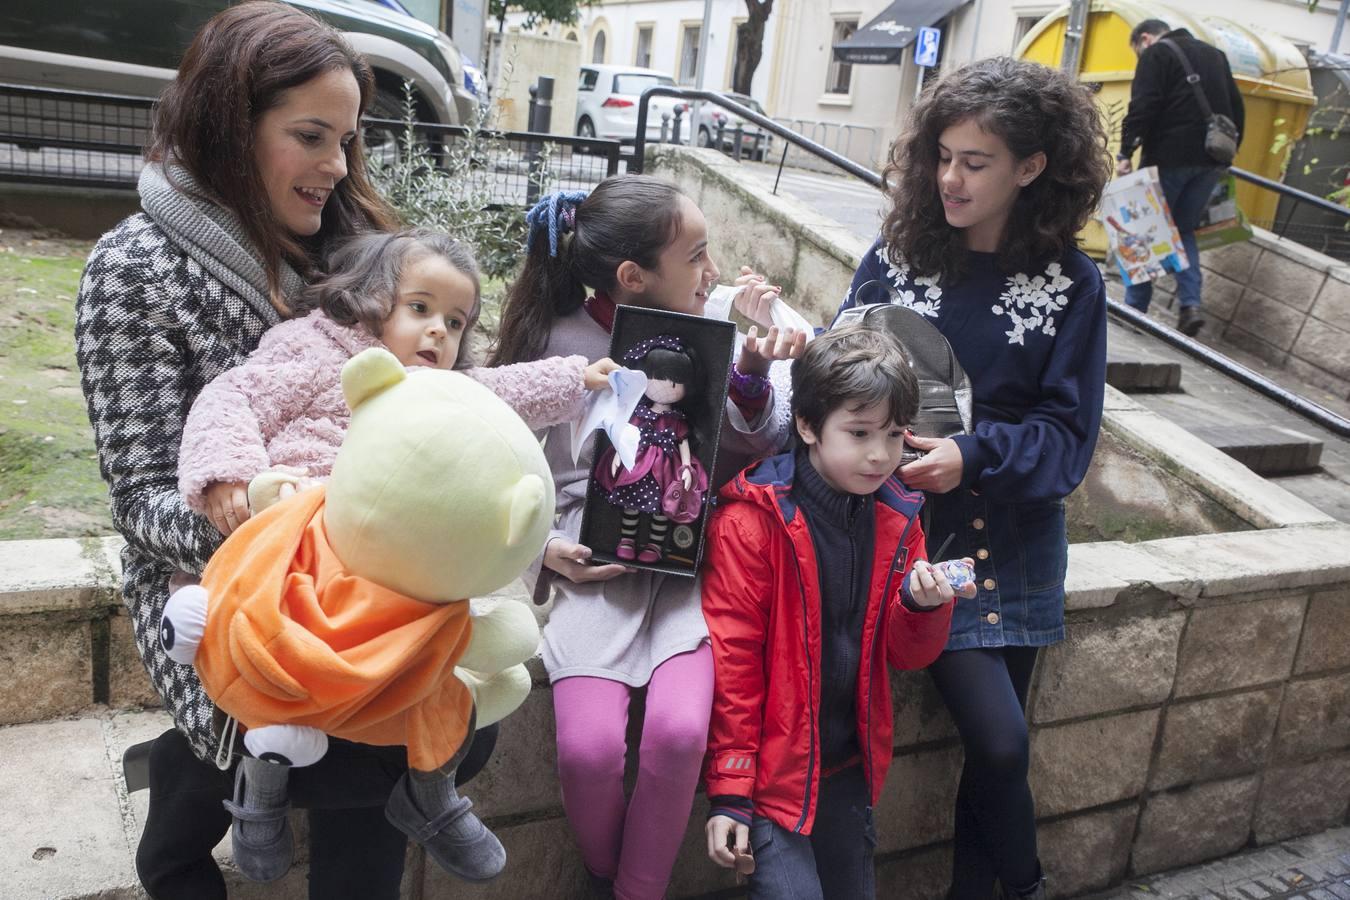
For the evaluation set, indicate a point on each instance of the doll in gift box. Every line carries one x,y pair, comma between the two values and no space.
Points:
667,482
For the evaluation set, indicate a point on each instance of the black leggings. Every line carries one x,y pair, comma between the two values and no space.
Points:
353,850
986,693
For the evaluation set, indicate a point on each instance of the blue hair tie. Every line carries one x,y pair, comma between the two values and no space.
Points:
555,212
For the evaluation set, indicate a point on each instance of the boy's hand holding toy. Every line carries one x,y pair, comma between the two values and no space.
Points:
931,585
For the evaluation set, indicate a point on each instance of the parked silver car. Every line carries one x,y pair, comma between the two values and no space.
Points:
755,141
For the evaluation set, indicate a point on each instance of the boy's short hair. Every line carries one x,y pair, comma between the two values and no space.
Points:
854,366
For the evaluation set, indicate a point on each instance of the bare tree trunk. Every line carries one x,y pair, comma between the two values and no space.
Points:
750,44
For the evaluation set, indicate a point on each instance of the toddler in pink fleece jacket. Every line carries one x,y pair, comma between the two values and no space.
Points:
416,293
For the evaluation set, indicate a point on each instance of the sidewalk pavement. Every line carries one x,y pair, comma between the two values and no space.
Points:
1313,867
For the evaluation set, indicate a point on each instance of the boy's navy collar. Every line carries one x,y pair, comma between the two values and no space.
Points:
779,473
815,493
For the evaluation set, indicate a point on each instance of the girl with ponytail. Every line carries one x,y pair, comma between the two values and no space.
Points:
415,293
632,240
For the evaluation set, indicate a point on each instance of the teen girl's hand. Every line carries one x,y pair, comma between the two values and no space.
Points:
928,586
568,559
939,471
596,375
719,830
227,505
757,296
758,352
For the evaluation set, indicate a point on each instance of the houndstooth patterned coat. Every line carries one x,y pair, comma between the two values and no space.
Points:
152,329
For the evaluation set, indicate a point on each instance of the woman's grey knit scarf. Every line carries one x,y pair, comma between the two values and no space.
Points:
212,235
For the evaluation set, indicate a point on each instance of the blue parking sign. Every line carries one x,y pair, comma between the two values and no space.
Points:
926,49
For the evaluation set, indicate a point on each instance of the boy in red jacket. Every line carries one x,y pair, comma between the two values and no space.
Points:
816,578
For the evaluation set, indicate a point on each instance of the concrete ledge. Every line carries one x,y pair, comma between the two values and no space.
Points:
1207,469
51,575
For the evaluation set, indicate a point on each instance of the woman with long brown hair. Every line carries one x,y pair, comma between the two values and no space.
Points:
255,168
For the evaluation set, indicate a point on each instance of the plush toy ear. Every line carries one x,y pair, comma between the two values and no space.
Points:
369,372
527,499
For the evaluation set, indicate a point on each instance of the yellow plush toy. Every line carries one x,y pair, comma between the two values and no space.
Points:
343,610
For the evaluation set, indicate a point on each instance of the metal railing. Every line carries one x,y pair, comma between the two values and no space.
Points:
860,143
82,139
790,137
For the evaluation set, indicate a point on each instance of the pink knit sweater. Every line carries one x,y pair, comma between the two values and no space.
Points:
284,404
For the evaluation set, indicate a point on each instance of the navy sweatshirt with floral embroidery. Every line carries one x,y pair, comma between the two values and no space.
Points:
1034,346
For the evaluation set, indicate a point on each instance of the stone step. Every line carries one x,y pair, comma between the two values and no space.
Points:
1135,375
1265,449
71,828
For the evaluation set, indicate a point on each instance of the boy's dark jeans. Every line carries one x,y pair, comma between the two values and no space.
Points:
835,862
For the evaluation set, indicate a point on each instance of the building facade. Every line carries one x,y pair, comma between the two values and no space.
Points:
855,109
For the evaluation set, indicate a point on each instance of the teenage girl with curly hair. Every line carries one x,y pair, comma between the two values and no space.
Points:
1001,165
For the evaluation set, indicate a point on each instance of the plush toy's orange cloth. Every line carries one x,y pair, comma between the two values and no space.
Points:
293,639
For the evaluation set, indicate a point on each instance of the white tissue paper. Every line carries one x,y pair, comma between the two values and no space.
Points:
611,409
722,298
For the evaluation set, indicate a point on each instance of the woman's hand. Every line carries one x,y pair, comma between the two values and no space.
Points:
939,471
596,375
758,352
719,829
929,587
756,296
568,559
227,505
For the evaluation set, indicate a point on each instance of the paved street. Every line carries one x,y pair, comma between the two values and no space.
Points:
856,205
1315,867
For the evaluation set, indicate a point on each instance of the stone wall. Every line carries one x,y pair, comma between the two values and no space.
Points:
1281,301
1198,705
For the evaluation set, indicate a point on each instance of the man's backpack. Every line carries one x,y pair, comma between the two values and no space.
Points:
944,389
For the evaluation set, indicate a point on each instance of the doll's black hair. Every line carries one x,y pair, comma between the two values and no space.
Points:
679,366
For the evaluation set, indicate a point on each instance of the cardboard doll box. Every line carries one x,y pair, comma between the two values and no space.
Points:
712,344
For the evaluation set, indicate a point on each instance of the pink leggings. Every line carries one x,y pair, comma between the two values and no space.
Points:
633,841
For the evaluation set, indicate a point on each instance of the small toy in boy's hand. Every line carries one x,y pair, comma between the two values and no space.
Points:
745,862
958,573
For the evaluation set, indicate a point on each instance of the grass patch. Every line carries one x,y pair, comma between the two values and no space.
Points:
49,481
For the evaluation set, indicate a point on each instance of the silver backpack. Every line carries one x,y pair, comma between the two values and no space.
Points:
944,388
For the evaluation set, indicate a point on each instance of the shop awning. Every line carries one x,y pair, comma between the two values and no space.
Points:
882,39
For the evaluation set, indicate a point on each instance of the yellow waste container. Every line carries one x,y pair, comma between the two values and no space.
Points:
1269,70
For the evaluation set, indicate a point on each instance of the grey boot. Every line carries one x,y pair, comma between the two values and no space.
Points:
426,807
261,834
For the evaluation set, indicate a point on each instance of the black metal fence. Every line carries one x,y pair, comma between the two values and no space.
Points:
507,167
71,138
83,139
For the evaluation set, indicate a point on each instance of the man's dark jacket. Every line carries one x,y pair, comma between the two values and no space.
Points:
1164,115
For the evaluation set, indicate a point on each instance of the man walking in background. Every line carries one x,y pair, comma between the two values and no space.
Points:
1168,118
